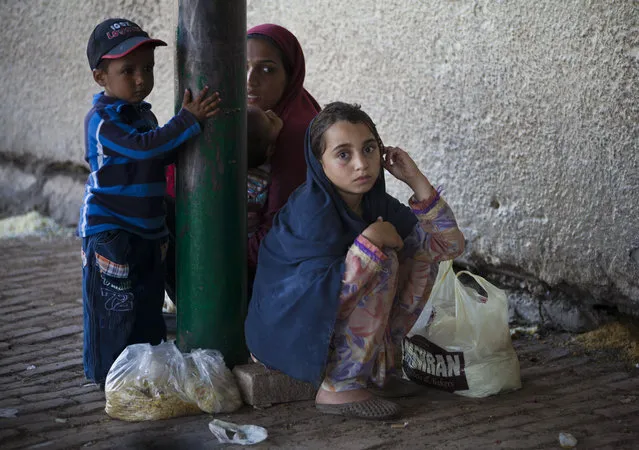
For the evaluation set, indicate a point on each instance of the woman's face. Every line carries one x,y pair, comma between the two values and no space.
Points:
265,74
351,159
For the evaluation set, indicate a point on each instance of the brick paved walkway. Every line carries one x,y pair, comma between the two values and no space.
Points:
594,397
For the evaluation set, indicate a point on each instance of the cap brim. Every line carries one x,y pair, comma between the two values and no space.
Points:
131,44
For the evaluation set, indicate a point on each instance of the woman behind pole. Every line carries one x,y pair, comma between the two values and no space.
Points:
275,74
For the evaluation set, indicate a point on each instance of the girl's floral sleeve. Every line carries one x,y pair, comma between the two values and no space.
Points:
367,270
364,260
436,237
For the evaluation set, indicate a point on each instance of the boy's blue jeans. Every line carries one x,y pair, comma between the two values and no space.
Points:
123,294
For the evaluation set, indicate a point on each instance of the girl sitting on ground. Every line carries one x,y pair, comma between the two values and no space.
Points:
346,269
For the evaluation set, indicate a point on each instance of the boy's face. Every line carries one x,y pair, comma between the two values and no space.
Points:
129,78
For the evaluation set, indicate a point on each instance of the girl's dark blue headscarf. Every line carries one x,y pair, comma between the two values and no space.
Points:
301,267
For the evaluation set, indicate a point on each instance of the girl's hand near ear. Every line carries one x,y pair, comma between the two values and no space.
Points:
401,166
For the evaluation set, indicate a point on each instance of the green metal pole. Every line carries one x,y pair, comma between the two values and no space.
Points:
211,182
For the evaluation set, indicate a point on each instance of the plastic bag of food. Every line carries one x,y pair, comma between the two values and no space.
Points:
209,383
461,342
146,383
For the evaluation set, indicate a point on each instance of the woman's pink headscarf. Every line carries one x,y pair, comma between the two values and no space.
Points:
295,98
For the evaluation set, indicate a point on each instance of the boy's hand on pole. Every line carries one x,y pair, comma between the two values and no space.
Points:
202,107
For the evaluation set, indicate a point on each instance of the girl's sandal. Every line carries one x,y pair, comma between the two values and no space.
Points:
372,409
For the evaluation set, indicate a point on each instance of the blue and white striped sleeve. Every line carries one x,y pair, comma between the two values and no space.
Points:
117,137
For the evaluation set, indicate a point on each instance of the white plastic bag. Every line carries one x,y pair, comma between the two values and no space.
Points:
210,383
231,433
461,341
146,383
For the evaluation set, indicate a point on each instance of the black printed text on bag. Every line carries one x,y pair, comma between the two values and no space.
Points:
430,364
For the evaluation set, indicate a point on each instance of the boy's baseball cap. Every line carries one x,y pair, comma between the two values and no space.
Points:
115,38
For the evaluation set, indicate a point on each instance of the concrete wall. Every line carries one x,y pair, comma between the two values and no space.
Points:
526,112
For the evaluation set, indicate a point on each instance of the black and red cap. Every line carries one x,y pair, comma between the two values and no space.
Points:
115,38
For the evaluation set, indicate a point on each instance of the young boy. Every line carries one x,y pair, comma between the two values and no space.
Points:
122,219
263,128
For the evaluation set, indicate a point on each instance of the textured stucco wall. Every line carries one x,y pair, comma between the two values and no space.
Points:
526,112
47,83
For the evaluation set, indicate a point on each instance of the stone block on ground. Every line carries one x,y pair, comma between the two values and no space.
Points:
261,386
